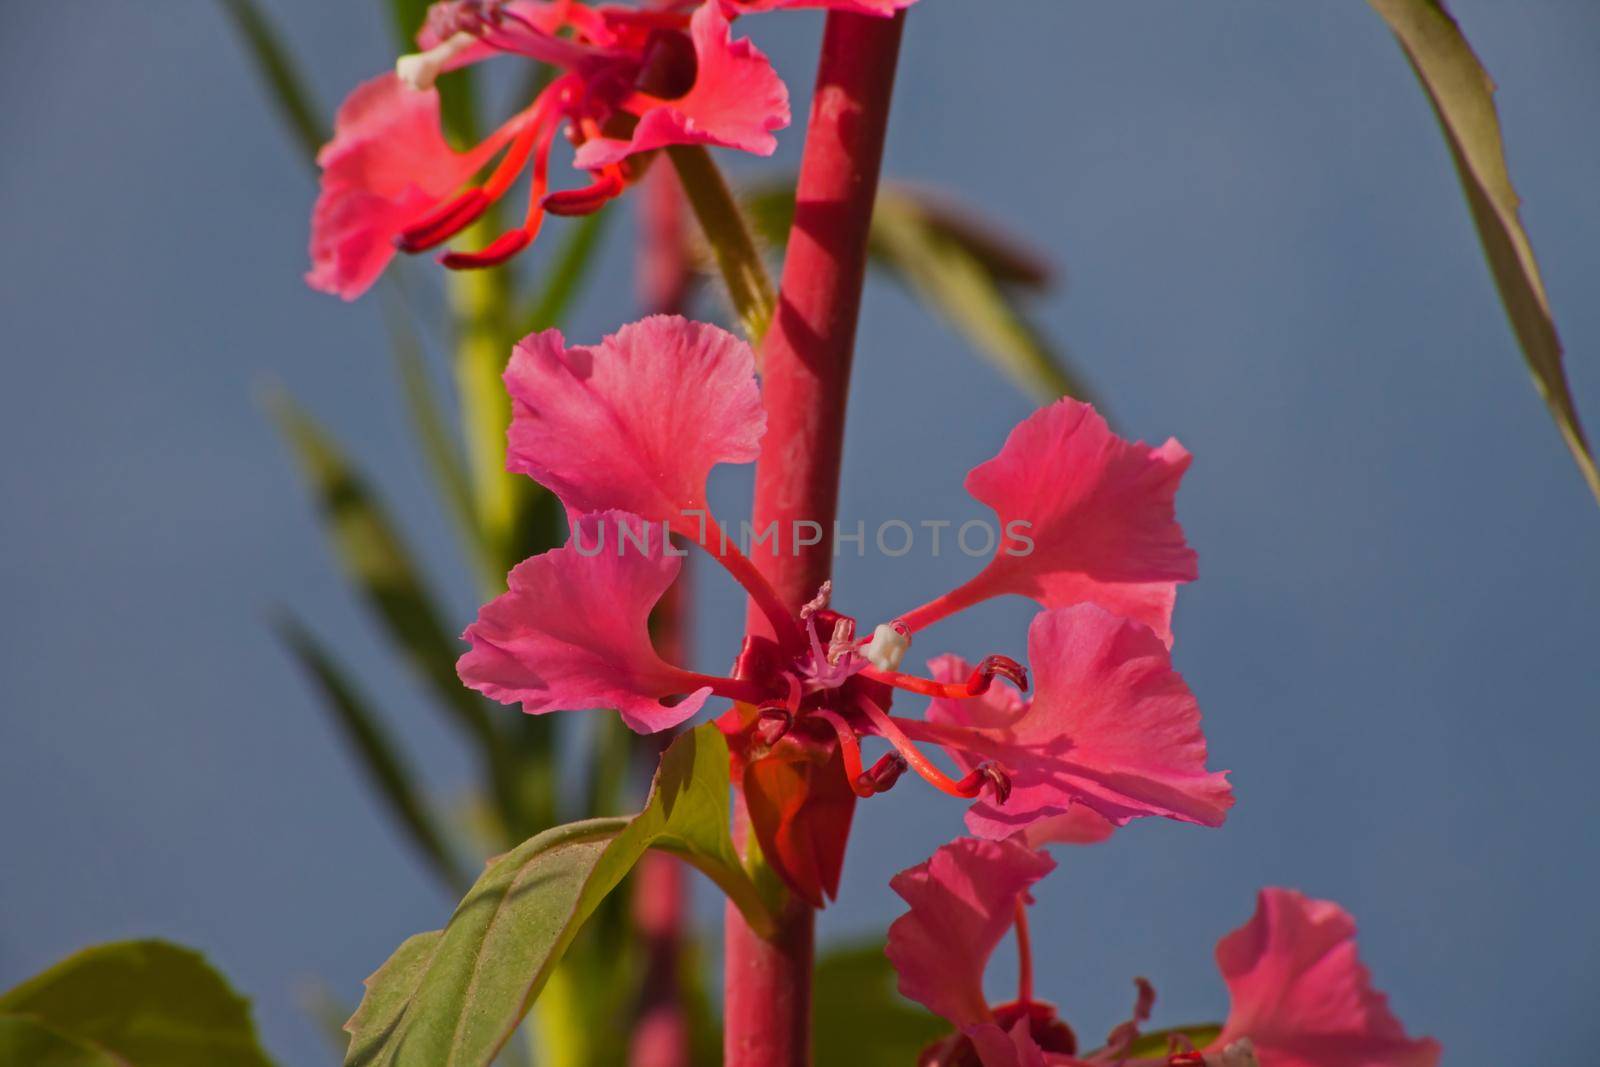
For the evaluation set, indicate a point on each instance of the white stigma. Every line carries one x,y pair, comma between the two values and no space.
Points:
887,648
1242,1053
420,70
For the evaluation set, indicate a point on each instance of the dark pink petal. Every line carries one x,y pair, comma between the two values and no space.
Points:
1112,727
1085,517
963,900
387,166
572,632
1302,995
636,422
736,102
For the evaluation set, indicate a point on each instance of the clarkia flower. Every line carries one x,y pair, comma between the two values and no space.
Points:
626,433
631,80
1300,995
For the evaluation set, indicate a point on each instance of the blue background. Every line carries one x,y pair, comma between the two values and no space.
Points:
1267,256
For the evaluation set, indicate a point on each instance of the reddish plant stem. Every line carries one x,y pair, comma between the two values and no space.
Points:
806,375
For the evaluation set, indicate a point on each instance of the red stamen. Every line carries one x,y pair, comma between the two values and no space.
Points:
1024,956
850,750
976,684
989,774
444,222
773,724
499,250
886,772
589,199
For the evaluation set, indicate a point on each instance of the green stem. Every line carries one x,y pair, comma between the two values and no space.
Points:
743,271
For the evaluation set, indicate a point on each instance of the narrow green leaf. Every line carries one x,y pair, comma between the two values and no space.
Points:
744,273
1156,1042
1462,95
435,437
405,19
27,1042
379,756
457,995
962,268
959,285
299,111
858,1017
146,1003
567,273
379,563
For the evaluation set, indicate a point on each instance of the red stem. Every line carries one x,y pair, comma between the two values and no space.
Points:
1024,956
806,373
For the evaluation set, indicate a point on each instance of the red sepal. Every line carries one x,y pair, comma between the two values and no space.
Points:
800,804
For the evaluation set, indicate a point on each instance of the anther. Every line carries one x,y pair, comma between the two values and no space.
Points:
420,70
589,199
997,666
996,777
443,222
888,645
500,249
883,774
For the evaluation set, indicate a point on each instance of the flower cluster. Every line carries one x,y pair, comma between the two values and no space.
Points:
1300,995
626,432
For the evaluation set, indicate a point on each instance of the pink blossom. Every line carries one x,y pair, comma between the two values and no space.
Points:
1087,517
883,8
1301,997
1112,727
572,630
635,424
667,77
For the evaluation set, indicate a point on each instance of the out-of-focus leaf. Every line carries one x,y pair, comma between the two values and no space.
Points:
434,436
567,273
379,756
381,566
962,268
1462,95
26,1042
744,273
1156,1042
406,18
146,1003
371,550
457,995
857,1016
279,74
958,284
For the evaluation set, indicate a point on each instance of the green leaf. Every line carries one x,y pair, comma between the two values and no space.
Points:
380,757
435,437
858,1017
379,563
26,1042
962,268
457,995
281,77
406,18
1462,95
744,273
146,1003
1156,1042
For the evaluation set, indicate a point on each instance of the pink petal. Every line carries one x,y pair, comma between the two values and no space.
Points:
1081,825
1099,511
387,166
636,422
736,102
963,900
997,1047
1301,993
572,631
1112,728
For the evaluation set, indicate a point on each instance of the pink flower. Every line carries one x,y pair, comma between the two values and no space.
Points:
634,425
1111,727
963,900
634,80
1091,522
1301,997
572,630
883,8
